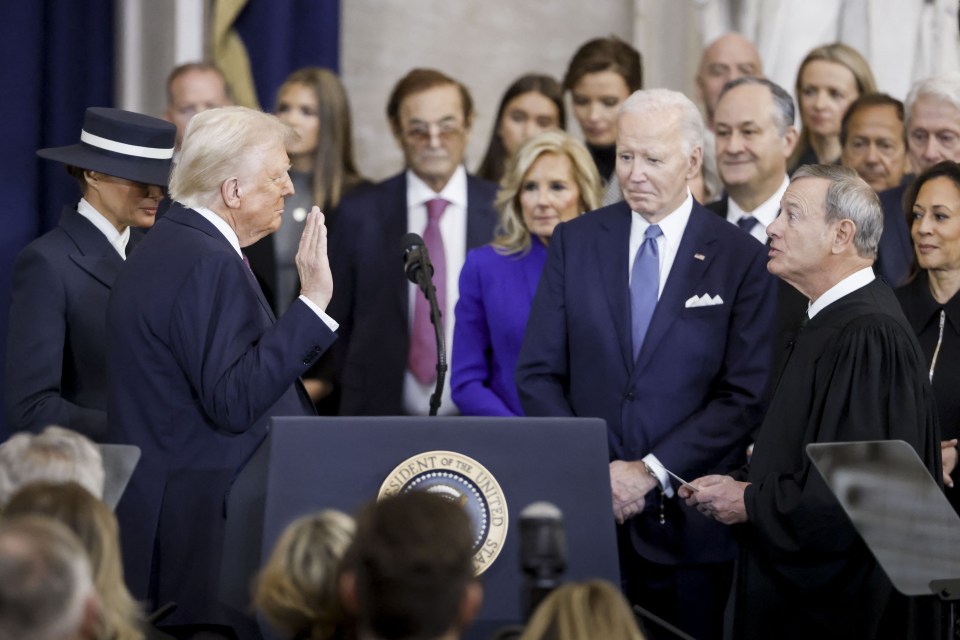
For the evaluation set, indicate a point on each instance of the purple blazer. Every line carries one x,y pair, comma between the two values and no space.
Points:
496,292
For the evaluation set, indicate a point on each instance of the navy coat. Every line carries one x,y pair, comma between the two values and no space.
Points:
370,295
57,337
197,366
695,392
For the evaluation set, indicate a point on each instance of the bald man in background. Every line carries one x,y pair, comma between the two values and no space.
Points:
727,58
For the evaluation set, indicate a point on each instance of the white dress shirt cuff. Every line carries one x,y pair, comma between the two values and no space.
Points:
327,320
654,465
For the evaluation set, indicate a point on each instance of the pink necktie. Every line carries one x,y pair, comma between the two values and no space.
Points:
423,344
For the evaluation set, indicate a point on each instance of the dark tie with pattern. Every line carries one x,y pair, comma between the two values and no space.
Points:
747,223
422,358
644,286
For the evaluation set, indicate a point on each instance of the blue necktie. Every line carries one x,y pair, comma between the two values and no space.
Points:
747,223
644,286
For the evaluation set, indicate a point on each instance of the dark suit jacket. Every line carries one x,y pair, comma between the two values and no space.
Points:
895,251
198,364
496,292
791,309
57,340
370,290
693,395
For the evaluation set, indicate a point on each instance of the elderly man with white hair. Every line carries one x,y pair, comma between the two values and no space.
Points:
855,372
198,363
54,455
658,316
932,111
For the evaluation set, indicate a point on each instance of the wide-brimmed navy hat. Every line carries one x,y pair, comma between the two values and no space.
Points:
122,144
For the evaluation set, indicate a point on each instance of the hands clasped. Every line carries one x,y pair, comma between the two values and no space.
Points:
717,497
316,279
630,483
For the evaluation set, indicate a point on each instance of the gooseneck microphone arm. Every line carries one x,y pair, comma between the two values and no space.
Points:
419,270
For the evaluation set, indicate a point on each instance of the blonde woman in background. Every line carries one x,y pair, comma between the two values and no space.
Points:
297,589
551,179
830,78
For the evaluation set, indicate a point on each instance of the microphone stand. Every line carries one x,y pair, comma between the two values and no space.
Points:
425,281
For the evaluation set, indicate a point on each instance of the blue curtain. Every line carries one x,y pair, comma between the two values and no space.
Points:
58,59
284,35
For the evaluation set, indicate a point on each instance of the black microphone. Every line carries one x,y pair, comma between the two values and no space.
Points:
416,259
543,553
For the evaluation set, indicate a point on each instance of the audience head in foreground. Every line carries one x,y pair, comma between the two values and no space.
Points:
410,573
96,528
54,455
580,610
46,587
297,589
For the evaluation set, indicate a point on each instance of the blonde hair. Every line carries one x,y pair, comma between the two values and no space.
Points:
842,55
512,235
591,609
221,143
96,528
297,588
334,169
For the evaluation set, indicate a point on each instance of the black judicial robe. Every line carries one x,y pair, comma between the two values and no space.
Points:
855,372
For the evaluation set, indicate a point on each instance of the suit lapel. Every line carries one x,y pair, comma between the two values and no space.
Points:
480,215
392,210
611,255
188,217
691,263
97,257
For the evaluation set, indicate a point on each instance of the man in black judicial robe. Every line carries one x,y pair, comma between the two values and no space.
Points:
855,372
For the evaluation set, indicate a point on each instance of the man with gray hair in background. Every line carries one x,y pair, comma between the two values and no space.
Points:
657,316
54,455
932,111
46,584
855,372
211,363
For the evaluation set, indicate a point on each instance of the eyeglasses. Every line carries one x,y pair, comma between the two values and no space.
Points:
421,133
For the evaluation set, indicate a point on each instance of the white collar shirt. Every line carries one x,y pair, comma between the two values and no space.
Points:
453,228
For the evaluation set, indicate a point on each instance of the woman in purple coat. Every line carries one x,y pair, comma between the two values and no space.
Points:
551,179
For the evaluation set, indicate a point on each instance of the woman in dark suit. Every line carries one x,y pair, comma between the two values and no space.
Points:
61,281
931,301
551,179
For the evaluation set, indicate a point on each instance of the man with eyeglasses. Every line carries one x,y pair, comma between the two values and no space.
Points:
386,364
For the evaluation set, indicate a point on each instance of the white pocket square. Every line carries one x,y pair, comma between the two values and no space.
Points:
703,301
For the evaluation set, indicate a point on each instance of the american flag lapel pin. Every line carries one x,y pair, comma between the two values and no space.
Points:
699,256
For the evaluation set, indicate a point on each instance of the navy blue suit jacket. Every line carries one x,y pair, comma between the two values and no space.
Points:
695,392
496,292
895,250
370,290
56,344
197,366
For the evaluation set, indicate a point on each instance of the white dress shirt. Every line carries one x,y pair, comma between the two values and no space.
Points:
453,228
765,213
116,239
672,226
845,287
231,236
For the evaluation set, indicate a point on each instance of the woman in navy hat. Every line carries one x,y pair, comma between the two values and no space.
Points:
61,281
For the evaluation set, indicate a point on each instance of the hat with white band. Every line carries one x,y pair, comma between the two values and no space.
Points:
122,144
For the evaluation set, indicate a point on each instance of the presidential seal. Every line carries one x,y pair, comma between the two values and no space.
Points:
462,480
